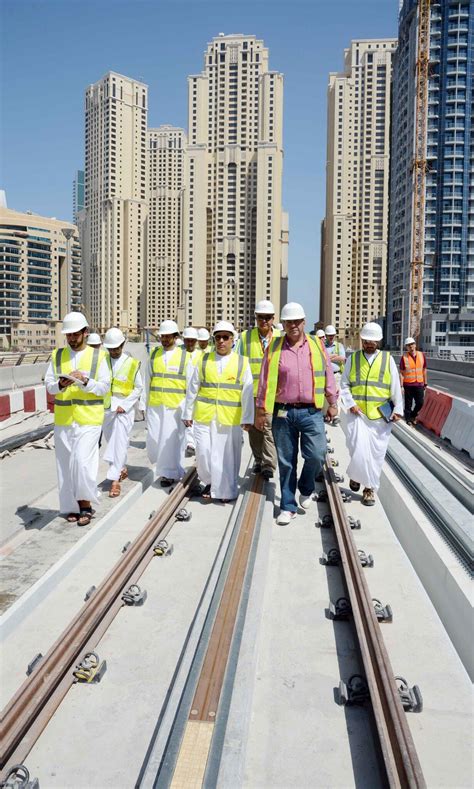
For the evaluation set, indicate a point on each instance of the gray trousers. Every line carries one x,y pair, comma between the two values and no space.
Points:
263,446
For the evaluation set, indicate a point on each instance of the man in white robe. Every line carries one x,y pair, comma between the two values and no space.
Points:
218,445
77,444
367,438
166,435
190,338
126,390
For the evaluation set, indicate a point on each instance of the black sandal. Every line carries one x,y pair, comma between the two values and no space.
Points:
73,517
85,516
206,492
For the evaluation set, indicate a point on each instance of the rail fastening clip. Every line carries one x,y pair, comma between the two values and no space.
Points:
411,698
18,777
332,557
33,663
90,669
366,559
183,515
162,548
134,595
382,612
341,609
326,521
356,691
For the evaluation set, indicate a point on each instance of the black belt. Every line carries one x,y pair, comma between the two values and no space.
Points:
295,405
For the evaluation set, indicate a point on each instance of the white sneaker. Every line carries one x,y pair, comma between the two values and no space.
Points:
285,517
305,501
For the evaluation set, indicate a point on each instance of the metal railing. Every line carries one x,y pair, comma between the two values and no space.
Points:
13,359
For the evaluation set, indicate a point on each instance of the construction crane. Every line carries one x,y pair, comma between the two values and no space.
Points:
419,168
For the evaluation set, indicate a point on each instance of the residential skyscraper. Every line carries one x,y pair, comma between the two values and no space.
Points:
235,241
34,277
77,195
447,199
113,231
166,148
355,230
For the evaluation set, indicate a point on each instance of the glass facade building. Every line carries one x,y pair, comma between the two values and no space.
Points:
448,274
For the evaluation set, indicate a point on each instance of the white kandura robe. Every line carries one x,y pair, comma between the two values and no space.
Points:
367,439
165,433
117,427
219,447
189,431
77,446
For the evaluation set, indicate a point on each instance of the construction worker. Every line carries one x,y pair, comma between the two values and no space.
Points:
79,377
166,393
190,337
295,379
413,379
203,339
94,340
253,344
369,381
219,403
126,389
337,357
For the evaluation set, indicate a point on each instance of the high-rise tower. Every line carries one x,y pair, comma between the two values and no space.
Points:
113,231
355,229
166,173
235,241
446,204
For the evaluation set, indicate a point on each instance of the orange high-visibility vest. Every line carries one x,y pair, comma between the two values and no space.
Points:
413,373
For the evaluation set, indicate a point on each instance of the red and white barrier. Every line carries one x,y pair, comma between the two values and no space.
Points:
459,426
22,400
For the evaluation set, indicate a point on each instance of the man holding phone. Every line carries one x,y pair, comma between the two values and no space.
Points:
369,382
79,377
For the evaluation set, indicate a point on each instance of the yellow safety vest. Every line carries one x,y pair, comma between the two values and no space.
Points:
74,404
168,384
370,383
123,383
251,346
220,396
318,366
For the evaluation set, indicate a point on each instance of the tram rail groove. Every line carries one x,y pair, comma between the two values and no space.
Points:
32,706
398,751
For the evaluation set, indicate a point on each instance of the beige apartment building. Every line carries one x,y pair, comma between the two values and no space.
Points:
114,221
34,278
166,151
236,237
355,229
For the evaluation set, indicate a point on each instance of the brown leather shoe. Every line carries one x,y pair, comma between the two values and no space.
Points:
368,497
114,490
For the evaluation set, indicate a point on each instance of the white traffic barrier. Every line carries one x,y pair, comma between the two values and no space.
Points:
459,425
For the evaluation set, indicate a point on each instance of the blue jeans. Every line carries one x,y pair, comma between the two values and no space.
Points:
304,425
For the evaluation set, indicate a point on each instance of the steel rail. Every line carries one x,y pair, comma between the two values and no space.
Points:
34,703
400,758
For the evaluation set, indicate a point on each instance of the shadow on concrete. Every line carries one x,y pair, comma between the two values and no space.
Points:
35,517
361,730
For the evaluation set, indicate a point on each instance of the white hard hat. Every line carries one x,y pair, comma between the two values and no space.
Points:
265,307
73,321
279,326
113,338
223,326
371,331
203,334
330,329
292,312
190,333
168,327
94,339
320,333
409,340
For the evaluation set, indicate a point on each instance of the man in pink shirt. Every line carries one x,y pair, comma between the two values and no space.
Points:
295,379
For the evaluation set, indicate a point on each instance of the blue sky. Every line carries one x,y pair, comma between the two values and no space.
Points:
51,50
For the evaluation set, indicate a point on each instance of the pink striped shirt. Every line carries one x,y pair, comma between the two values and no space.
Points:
295,377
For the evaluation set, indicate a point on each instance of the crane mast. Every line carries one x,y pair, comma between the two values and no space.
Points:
419,168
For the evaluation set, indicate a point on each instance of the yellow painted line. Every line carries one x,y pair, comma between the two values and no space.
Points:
193,755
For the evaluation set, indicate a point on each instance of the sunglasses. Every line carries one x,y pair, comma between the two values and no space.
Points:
223,337
264,317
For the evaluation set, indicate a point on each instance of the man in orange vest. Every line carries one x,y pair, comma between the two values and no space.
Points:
413,379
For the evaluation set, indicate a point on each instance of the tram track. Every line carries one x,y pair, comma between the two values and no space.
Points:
35,702
400,759
194,699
